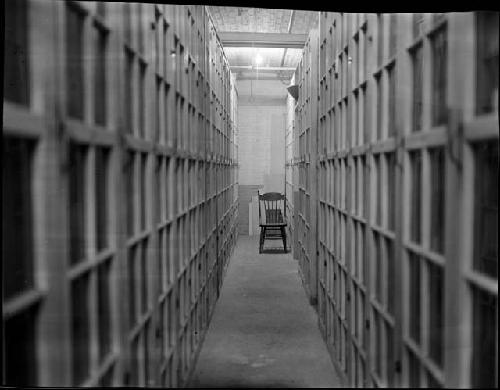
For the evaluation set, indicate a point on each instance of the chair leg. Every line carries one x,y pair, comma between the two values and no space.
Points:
283,237
261,241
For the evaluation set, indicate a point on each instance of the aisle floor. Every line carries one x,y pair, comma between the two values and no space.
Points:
263,332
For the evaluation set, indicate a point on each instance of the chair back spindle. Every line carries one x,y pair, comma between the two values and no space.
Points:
272,220
273,217
273,206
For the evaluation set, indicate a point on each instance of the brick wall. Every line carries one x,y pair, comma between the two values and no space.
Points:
260,151
274,88
261,139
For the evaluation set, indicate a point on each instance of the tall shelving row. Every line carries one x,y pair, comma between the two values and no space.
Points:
407,199
305,125
291,190
119,190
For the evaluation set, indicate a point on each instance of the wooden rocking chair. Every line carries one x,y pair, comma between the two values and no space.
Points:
273,221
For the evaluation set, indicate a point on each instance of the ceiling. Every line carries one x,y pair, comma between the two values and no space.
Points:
271,57
260,20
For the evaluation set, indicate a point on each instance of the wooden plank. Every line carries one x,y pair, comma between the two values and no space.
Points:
253,39
18,121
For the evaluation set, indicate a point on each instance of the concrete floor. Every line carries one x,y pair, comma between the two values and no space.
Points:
263,332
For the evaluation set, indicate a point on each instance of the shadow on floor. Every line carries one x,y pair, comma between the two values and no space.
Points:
272,251
248,385
263,332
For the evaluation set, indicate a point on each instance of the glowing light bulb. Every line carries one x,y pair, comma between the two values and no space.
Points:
258,59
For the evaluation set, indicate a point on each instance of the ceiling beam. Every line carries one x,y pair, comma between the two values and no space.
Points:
244,77
261,69
290,22
253,39
289,30
262,100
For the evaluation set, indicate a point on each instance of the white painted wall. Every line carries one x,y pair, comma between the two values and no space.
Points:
261,140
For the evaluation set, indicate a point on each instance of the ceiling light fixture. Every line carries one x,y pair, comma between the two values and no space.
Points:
258,59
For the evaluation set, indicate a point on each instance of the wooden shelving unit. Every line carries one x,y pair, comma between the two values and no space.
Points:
119,191
305,128
407,151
